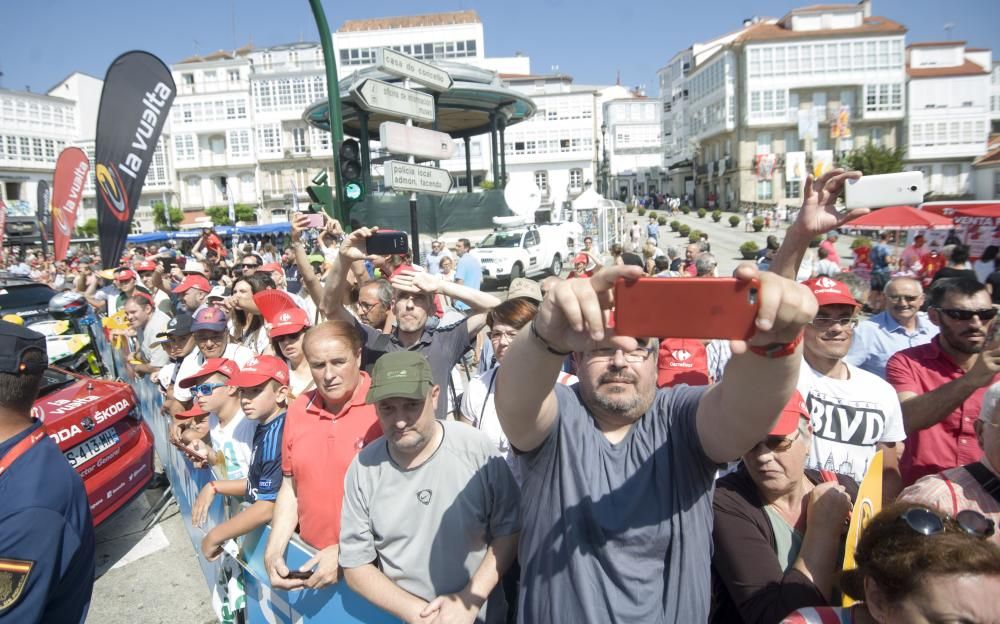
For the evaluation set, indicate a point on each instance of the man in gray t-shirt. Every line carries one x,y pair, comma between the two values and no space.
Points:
617,475
430,515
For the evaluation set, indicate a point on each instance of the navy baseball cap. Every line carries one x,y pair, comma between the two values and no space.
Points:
15,340
180,325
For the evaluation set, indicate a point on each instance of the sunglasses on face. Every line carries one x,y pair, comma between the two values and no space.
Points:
779,444
986,314
926,522
205,389
249,266
825,323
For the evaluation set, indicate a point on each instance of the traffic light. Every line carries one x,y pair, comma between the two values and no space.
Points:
349,161
321,195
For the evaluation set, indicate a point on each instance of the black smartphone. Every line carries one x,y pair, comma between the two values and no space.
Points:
168,264
388,243
296,574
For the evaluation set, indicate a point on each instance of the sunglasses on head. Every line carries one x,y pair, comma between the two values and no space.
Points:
986,314
926,522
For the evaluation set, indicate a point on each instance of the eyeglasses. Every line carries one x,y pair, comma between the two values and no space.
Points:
825,323
926,522
205,389
500,335
986,314
636,356
249,266
365,307
779,444
901,298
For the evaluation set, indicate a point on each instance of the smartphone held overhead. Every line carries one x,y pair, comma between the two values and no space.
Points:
683,307
316,220
387,242
879,191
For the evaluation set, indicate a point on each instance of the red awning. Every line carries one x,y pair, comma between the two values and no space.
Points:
950,208
901,218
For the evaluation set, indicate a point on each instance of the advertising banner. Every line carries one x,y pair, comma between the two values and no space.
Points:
822,162
765,165
841,126
978,232
808,124
44,200
795,166
138,92
866,505
72,169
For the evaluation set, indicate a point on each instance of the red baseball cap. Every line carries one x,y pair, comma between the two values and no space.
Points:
259,370
829,291
211,366
145,265
289,321
270,267
793,411
126,275
580,259
193,281
194,412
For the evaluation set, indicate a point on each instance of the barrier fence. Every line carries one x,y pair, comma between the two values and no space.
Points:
238,579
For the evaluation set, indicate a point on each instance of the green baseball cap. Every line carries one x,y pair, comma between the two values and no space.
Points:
403,374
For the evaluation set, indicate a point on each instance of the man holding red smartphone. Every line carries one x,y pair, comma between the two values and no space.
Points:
618,475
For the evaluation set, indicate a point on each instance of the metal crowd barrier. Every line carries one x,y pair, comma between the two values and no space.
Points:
238,579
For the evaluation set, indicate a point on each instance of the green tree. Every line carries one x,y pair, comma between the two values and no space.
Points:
220,214
873,159
89,228
160,221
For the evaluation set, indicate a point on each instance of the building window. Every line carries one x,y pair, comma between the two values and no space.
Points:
188,79
320,139
763,142
234,75
793,188
542,180
996,184
239,143
791,141
50,150
37,150
269,138
184,146
576,178
299,140
764,189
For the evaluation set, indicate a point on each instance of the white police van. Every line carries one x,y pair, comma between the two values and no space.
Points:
517,249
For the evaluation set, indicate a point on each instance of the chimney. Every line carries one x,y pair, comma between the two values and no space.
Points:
866,7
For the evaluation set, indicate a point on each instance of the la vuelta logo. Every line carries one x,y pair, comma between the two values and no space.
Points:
67,211
113,191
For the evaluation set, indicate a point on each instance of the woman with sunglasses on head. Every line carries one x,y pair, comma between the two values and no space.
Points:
778,527
248,324
916,566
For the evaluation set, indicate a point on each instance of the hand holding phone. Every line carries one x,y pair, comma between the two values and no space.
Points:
386,243
687,307
298,574
890,189
316,220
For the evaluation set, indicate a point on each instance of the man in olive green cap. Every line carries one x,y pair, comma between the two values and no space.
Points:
445,503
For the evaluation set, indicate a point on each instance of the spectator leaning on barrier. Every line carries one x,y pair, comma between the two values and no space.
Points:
618,476
972,486
263,388
178,341
147,322
444,503
211,336
941,384
315,460
46,530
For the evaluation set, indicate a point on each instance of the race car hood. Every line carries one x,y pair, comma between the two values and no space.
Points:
83,408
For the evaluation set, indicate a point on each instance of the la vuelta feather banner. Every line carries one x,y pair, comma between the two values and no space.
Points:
138,92
42,211
72,169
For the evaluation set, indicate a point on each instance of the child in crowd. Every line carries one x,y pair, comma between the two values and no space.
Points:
263,390
231,432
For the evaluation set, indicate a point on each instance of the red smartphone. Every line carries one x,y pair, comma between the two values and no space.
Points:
296,574
388,243
686,307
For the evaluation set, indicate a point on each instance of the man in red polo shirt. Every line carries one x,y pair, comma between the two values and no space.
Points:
324,430
941,384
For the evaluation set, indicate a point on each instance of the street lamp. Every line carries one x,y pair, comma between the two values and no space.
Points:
604,159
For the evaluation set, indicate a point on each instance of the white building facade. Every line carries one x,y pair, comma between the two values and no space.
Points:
632,148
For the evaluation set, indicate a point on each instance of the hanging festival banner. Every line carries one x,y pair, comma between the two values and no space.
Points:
822,162
44,200
72,169
840,128
765,165
795,166
3,222
138,92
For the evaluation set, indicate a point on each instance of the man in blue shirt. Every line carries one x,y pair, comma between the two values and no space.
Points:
899,327
46,531
468,272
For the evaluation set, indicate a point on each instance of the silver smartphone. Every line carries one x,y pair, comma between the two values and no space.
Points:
889,189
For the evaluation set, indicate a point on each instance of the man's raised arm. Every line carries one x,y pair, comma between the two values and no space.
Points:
335,292
480,302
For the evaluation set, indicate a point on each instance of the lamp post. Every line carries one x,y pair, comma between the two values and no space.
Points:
604,159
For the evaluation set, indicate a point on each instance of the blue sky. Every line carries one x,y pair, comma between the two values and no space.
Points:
45,40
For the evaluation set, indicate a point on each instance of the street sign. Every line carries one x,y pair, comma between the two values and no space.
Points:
398,64
400,139
401,176
381,97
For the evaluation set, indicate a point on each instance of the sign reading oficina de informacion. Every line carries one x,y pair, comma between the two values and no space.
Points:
381,97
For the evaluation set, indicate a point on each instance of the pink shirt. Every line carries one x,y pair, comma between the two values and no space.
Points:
954,490
951,442
831,251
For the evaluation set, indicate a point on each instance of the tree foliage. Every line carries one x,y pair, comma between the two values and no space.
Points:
220,214
874,159
89,228
160,221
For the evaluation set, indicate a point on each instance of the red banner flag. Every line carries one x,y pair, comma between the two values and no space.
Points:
72,169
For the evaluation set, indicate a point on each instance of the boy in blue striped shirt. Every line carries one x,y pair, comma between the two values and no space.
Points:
263,385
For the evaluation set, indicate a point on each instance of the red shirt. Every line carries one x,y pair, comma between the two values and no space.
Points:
316,451
951,442
682,361
930,264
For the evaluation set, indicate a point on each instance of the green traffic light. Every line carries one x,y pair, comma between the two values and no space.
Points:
353,191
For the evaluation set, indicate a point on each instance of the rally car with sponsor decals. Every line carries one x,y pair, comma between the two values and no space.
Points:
97,425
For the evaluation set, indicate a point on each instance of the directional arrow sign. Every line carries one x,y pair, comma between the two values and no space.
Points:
398,64
401,176
400,139
381,97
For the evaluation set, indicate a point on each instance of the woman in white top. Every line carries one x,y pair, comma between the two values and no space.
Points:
248,324
478,408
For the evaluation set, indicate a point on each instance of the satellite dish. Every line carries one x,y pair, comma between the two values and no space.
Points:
523,197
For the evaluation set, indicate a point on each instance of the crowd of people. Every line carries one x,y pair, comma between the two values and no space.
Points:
457,457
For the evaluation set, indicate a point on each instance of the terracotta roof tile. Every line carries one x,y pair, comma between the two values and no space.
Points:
966,69
989,158
935,44
871,26
411,21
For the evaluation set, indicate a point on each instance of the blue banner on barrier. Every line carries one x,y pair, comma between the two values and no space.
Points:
337,603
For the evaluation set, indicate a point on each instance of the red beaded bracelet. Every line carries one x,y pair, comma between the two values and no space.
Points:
777,349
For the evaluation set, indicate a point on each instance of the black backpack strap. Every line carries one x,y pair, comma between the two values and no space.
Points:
985,478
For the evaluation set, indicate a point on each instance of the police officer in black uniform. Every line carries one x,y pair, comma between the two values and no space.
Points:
46,532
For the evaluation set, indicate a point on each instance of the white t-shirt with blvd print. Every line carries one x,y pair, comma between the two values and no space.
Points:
849,418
